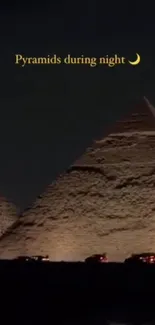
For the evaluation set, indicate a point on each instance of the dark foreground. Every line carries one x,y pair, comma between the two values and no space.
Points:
77,293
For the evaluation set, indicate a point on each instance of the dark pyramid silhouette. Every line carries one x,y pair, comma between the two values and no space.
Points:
141,118
8,214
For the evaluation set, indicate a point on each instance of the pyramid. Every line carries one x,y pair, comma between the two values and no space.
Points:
8,215
140,119
103,202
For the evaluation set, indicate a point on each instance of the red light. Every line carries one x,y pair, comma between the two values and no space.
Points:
103,259
148,259
151,259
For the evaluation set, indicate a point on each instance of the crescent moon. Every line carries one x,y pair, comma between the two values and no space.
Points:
137,60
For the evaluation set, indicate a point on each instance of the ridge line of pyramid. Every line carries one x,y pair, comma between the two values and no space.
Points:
150,106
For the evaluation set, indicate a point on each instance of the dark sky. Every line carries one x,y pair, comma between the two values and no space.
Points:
50,114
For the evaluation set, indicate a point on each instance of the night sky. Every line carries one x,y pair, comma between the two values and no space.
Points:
50,114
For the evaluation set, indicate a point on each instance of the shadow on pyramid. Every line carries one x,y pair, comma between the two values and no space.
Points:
103,202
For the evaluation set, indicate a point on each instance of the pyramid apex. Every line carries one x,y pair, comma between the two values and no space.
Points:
146,100
139,118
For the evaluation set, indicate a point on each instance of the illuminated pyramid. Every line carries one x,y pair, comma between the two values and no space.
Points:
104,202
